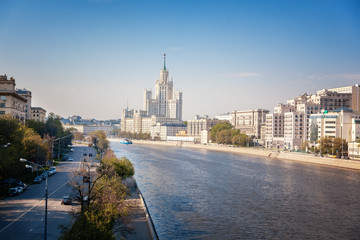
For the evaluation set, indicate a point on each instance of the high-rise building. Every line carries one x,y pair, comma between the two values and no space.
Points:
167,102
164,108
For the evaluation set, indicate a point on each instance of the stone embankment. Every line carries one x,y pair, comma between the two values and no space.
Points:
292,156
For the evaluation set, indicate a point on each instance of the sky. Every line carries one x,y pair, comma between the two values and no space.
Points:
94,57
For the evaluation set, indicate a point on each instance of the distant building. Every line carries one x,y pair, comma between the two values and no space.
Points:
27,95
162,131
11,102
196,126
289,126
164,108
249,122
224,116
38,114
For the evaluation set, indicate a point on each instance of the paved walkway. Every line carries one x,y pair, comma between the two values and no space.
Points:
138,228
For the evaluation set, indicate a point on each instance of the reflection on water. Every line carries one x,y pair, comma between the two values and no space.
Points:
199,194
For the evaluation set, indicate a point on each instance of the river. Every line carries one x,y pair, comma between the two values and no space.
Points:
200,194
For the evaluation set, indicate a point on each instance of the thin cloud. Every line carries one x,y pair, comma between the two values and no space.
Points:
341,76
246,74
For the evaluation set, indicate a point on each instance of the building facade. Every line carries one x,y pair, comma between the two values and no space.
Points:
27,95
38,114
249,122
11,102
165,108
167,102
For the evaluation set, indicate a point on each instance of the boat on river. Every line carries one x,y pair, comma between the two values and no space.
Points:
125,141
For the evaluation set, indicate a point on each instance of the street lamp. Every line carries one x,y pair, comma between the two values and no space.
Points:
46,189
6,145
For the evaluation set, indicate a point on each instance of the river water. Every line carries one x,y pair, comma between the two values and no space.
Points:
201,194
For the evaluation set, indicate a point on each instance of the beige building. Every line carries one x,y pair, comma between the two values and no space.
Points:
249,122
27,95
355,95
38,114
196,126
11,102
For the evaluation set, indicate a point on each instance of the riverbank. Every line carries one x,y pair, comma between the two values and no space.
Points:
262,152
140,226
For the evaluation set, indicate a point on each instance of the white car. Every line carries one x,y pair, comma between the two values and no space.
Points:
70,159
52,170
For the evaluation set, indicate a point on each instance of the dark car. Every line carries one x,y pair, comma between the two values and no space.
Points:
13,192
66,200
38,179
23,185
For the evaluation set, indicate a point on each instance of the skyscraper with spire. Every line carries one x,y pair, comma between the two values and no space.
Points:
166,102
165,108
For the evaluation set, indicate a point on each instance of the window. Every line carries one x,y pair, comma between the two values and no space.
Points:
2,105
2,112
3,98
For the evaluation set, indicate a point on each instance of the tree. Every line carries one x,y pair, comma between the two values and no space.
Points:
219,127
98,138
11,131
53,125
39,127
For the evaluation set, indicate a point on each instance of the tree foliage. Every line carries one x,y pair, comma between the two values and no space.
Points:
106,199
219,127
98,138
334,146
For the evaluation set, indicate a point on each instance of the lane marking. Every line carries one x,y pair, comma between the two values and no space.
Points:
23,214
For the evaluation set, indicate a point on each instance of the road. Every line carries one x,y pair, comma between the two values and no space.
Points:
22,217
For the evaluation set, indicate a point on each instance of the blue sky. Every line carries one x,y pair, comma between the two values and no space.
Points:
91,57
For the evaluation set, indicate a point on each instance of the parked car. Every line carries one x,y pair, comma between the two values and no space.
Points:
70,159
53,170
23,185
44,175
66,200
13,192
19,189
38,179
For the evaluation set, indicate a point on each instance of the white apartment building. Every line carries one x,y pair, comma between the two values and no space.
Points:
197,125
295,128
164,131
249,122
340,123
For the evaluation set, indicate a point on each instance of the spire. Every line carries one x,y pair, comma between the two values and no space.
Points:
164,61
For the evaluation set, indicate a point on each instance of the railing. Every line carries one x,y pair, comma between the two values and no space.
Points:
149,219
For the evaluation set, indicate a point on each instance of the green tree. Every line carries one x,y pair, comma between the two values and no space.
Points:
219,127
11,131
98,138
39,127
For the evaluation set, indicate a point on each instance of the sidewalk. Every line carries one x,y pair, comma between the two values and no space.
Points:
138,228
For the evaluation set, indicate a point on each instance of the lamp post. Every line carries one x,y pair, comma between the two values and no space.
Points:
46,190
6,145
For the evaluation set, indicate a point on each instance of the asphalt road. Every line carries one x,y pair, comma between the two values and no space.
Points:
23,216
